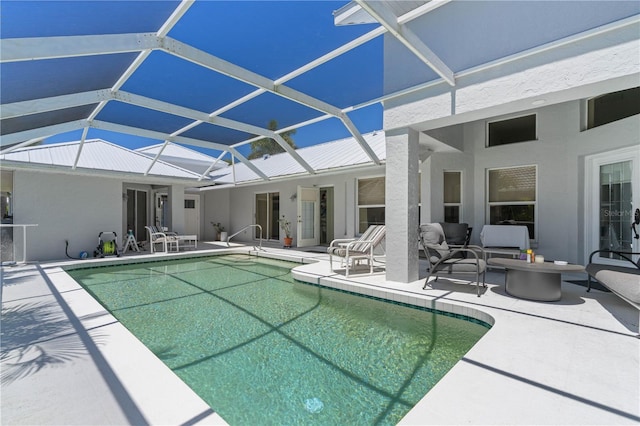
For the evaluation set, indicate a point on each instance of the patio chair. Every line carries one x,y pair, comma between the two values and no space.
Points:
443,257
457,234
166,238
353,250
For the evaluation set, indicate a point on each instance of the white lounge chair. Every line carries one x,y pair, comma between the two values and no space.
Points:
622,281
169,240
353,250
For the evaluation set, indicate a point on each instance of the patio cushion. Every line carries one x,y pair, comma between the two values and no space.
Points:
342,252
625,282
462,265
433,236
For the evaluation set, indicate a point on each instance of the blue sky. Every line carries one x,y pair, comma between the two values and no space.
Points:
269,38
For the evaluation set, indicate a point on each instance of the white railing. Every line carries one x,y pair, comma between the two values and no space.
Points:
12,241
245,228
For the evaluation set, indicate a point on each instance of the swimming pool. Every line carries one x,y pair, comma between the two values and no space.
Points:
261,348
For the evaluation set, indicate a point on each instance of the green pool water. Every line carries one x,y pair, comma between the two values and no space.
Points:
263,349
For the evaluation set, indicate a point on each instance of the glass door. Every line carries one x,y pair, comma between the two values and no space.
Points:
267,213
137,213
308,216
615,196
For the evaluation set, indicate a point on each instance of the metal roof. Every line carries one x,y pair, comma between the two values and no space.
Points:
212,74
339,155
183,157
96,155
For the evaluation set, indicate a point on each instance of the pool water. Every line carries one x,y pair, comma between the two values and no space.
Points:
261,348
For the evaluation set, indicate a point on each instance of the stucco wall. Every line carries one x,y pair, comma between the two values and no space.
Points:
235,207
65,207
559,155
585,68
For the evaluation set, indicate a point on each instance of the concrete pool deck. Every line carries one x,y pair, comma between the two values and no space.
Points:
65,360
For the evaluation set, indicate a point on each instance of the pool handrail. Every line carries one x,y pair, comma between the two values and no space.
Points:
245,228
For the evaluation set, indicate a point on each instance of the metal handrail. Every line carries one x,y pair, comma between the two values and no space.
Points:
244,229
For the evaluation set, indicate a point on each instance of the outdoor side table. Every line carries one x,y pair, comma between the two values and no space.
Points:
534,281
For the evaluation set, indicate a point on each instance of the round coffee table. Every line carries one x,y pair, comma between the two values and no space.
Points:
533,281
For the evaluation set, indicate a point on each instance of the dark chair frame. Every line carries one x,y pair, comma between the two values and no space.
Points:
453,260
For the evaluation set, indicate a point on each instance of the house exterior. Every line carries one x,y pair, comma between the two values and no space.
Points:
111,190
73,197
578,91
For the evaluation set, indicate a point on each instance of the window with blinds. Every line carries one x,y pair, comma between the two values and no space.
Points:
371,202
512,196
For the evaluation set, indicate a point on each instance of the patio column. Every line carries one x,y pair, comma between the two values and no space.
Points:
401,205
176,208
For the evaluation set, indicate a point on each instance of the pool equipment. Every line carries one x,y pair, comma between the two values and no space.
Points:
107,245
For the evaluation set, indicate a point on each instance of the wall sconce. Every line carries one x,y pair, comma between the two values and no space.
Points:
294,197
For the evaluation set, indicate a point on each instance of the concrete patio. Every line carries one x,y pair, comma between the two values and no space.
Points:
65,360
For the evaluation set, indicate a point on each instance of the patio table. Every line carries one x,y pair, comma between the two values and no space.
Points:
533,281
190,241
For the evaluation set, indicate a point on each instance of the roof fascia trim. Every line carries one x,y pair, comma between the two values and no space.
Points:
18,165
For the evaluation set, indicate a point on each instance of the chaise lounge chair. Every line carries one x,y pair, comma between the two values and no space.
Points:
353,250
445,258
622,281
167,239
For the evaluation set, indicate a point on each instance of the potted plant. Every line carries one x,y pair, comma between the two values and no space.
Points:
285,225
221,234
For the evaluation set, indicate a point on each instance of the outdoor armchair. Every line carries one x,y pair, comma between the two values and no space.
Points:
443,257
354,250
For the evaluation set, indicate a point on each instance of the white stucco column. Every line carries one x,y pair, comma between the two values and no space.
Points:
176,208
401,211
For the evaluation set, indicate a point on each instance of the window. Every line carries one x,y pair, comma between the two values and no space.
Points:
370,202
189,204
452,196
267,215
612,107
518,129
512,196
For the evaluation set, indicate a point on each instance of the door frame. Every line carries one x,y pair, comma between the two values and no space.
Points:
592,196
316,217
196,198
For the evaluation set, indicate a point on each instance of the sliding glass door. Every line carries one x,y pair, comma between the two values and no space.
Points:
267,213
